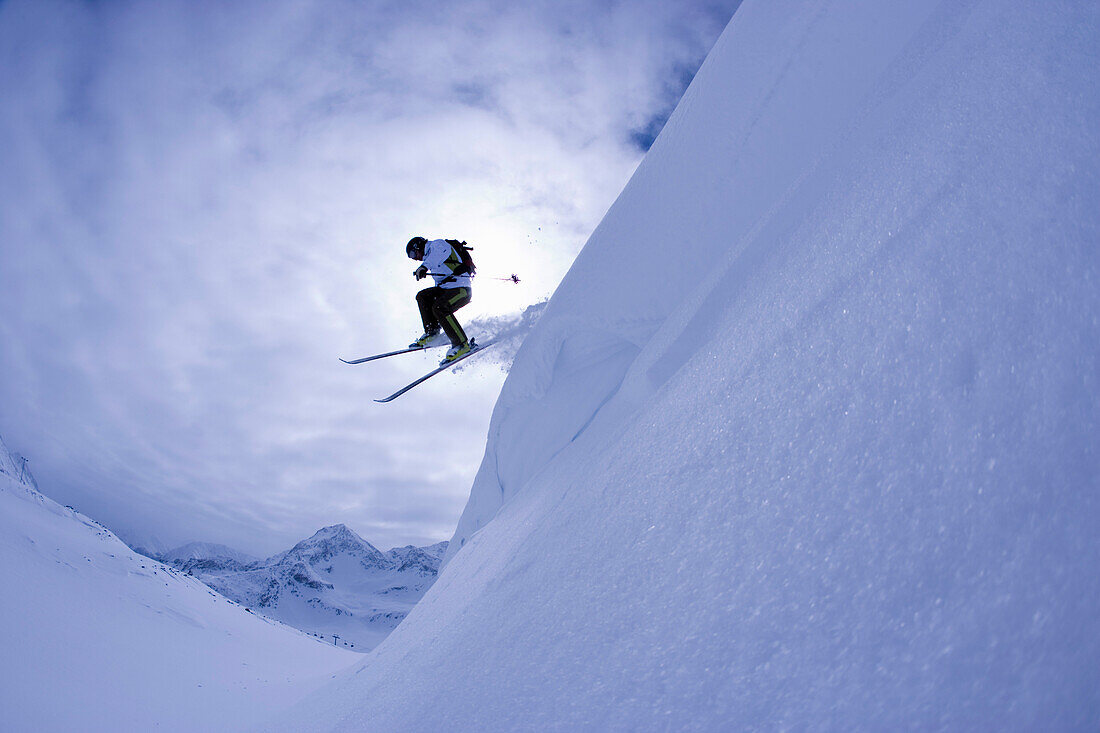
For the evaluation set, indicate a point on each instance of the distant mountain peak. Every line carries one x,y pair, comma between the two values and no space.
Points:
336,530
332,540
332,582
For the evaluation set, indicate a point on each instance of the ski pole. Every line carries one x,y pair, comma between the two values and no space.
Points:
512,278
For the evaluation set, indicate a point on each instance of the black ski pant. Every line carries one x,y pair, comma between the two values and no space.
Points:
437,309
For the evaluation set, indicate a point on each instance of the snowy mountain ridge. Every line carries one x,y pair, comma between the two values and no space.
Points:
332,583
15,467
204,551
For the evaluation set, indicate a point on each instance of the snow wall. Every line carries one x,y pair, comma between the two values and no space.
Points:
808,436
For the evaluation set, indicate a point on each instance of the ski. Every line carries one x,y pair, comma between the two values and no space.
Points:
394,353
477,348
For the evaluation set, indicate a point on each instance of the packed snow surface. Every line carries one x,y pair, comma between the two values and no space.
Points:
808,437
94,637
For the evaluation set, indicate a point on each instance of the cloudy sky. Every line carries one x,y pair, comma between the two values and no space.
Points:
203,205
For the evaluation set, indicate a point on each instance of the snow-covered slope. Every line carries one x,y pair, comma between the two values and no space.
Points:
94,637
334,583
808,437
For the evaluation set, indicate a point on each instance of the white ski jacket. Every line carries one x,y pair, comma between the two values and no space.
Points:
441,258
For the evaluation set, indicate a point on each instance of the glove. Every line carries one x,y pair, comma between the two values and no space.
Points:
421,272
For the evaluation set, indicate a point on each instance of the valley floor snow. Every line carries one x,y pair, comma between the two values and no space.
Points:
94,637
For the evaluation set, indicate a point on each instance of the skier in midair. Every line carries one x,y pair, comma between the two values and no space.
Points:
451,291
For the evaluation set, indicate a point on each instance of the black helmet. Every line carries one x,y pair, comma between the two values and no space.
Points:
415,248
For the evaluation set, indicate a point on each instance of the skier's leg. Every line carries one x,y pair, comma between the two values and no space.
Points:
425,300
444,306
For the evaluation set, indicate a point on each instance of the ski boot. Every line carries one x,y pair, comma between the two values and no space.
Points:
457,352
424,340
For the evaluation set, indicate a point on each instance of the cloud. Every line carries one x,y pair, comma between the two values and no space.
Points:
202,206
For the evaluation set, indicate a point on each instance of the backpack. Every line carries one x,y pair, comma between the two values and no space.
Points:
467,267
